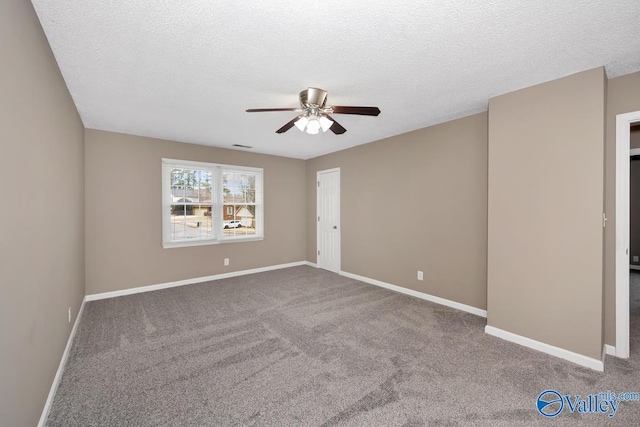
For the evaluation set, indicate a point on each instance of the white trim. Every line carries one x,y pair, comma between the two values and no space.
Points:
623,123
58,376
610,350
149,288
187,243
579,359
634,267
208,165
417,294
633,151
311,264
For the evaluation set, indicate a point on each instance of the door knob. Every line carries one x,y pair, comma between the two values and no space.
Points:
335,227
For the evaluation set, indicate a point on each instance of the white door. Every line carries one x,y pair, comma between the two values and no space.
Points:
329,220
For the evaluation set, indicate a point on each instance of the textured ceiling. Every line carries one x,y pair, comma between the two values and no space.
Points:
187,70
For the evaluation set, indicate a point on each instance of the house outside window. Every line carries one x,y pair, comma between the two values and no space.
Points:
208,203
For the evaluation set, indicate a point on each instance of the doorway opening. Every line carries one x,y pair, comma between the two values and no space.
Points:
624,122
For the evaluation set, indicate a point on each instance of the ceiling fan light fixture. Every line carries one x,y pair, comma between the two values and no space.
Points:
301,123
313,125
325,123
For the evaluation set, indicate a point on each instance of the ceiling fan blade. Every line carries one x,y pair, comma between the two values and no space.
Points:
362,111
264,110
336,127
288,126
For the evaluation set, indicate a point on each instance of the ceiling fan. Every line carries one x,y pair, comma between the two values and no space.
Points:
315,115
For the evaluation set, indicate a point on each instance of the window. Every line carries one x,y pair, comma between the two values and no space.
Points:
207,203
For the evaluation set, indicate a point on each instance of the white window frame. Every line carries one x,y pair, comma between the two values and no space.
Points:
217,202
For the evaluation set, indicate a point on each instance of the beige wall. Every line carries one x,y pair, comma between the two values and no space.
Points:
42,214
623,96
545,212
416,201
124,221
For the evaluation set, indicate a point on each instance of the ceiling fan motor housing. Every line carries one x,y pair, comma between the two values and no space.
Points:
313,97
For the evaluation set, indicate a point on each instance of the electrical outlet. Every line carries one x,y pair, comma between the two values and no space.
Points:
69,314
635,258
226,261
420,275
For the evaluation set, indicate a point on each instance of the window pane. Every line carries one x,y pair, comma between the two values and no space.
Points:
241,222
176,230
239,203
239,187
250,195
191,222
177,192
190,210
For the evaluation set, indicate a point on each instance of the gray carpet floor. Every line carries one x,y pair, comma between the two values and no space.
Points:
305,347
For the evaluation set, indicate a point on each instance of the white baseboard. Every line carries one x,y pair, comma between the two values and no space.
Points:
579,359
58,376
311,264
610,350
149,288
421,295
634,267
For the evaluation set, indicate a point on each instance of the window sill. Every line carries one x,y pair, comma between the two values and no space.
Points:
171,245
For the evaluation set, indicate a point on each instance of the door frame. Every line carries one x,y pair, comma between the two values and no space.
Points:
623,150
318,173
